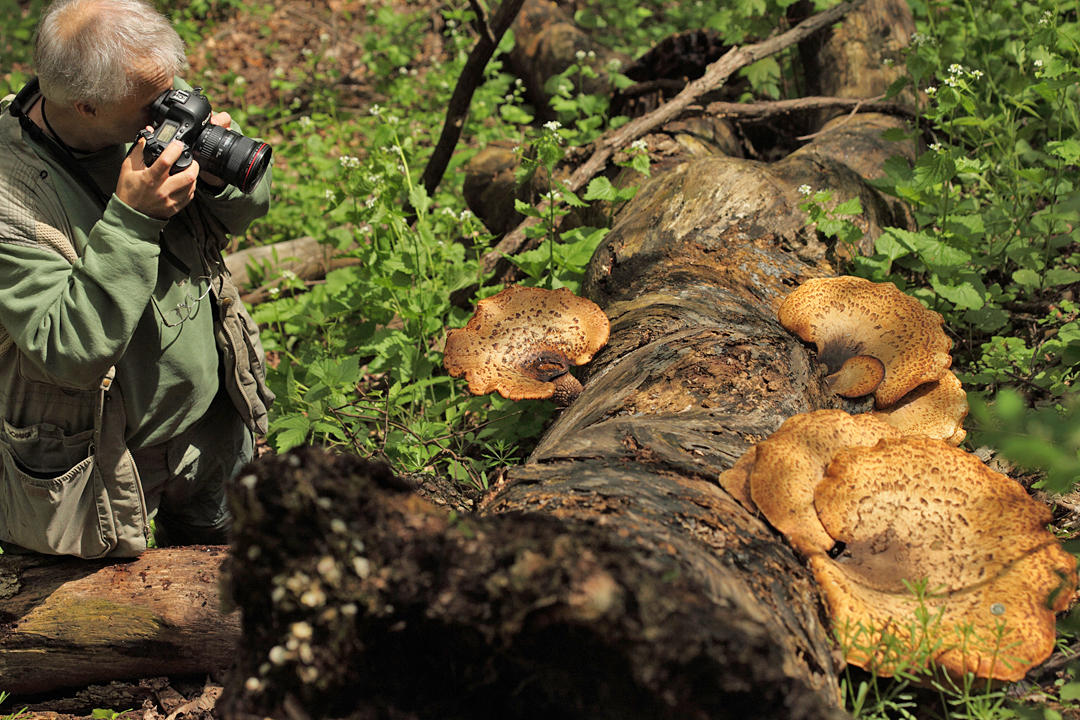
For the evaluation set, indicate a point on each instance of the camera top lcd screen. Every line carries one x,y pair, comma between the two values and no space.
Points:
167,132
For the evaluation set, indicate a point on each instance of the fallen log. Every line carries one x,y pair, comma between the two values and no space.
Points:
70,623
611,577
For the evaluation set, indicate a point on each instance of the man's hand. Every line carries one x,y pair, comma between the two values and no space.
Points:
152,190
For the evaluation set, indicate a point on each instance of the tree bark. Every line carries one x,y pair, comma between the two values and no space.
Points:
69,623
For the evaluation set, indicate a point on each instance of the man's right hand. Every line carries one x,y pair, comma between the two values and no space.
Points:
152,190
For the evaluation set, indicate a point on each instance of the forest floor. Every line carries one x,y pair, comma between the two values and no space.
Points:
253,42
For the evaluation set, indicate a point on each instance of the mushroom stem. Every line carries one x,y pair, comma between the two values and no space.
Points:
567,388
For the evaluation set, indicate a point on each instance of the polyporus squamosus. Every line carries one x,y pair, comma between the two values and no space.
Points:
788,465
934,410
916,510
850,319
522,342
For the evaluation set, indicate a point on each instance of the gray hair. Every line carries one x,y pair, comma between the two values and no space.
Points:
94,51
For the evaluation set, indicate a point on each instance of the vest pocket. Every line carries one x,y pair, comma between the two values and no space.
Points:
49,509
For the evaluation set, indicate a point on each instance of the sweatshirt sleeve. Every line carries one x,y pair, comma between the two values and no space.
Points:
75,320
232,210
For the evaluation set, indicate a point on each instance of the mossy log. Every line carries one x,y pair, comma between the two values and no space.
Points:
69,623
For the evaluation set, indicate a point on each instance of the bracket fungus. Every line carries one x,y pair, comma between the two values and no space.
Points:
522,342
934,410
788,465
916,511
850,319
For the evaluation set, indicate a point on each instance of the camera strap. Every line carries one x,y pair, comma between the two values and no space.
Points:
59,152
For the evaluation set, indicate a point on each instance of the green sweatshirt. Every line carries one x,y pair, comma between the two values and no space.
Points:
136,297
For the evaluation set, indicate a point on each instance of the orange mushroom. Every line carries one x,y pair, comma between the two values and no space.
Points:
849,317
789,464
522,342
935,410
917,511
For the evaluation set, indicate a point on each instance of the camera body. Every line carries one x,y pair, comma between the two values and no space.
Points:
184,115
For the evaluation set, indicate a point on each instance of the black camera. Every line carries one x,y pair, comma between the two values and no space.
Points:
184,115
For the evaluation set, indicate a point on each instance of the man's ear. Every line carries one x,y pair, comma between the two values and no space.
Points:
85,109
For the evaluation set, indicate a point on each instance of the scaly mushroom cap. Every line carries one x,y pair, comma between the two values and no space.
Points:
736,479
849,316
789,464
934,410
916,509
522,342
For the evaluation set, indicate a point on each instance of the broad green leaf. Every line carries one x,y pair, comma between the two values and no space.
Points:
1027,278
600,188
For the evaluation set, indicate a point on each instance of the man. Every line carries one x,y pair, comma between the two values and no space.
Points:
131,377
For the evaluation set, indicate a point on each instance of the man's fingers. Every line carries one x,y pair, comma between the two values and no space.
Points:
168,158
221,118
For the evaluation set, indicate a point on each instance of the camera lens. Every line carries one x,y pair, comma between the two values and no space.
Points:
232,157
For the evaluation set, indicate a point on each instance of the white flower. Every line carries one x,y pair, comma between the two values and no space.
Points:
956,69
639,145
580,55
930,90
936,147
306,122
805,190
329,195
1038,63
1047,18
349,161
552,125
952,82
375,109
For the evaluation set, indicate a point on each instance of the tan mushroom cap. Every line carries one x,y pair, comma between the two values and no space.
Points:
736,479
849,316
790,463
522,341
935,410
916,509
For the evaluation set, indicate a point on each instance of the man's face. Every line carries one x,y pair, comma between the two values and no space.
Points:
121,122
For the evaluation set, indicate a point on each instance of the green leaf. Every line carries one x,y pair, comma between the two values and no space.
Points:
933,168
1061,276
515,115
762,73
419,199
600,188
1067,150
965,295
1027,278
